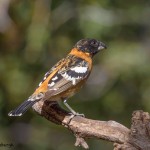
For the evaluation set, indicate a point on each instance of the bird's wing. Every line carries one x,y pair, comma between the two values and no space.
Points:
53,69
72,72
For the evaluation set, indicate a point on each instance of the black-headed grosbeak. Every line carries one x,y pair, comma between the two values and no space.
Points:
66,77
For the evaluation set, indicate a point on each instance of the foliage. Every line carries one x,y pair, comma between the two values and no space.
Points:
34,35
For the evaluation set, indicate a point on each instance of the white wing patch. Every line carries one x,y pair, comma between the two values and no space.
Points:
40,83
44,78
55,78
67,77
51,84
79,69
76,71
53,81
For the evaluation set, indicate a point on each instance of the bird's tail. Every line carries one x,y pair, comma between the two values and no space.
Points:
21,109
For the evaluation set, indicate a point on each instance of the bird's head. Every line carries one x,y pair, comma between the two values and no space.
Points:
90,46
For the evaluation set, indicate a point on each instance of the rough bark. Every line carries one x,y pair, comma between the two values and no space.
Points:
136,138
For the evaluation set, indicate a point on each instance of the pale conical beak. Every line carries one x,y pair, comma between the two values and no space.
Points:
102,46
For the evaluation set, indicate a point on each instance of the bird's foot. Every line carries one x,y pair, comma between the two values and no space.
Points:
72,115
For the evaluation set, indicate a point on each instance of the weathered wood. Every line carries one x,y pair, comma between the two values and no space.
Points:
136,138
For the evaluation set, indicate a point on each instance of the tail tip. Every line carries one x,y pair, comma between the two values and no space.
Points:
14,114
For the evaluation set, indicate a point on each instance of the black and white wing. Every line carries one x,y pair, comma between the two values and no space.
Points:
74,71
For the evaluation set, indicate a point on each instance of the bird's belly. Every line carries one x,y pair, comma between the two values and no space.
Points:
66,94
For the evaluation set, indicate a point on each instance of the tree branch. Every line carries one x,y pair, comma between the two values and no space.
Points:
136,138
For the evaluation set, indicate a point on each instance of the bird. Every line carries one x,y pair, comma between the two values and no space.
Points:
66,77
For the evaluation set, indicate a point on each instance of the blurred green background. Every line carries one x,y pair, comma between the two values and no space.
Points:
35,34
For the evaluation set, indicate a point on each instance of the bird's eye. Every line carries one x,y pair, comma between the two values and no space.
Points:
94,43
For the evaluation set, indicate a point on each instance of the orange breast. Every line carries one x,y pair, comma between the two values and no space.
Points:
83,55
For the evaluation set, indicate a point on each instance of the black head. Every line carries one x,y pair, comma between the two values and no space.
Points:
90,46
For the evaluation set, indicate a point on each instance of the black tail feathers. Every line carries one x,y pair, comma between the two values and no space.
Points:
20,110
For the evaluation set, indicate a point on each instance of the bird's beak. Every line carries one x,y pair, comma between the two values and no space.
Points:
102,46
